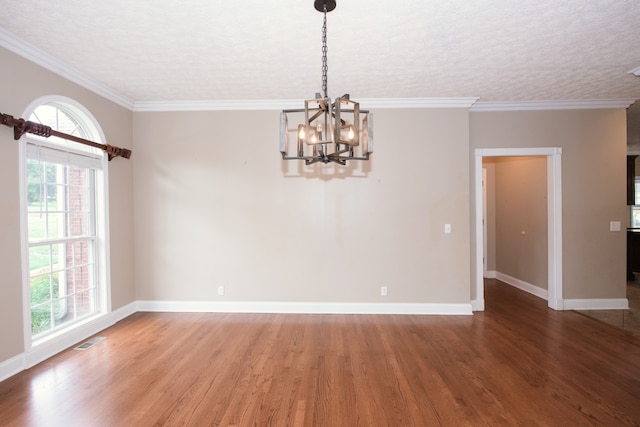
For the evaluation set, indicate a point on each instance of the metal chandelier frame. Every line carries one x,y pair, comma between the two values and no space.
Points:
325,130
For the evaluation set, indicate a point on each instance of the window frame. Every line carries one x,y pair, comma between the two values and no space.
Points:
68,154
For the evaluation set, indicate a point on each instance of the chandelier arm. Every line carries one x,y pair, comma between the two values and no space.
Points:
316,115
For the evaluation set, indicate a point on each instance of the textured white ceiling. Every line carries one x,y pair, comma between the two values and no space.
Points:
208,50
497,50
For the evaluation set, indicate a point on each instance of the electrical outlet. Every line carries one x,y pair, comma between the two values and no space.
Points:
383,291
220,290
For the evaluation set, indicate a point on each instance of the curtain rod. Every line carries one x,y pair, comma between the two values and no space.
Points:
22,126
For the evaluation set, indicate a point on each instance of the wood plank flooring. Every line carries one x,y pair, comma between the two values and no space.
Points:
518,363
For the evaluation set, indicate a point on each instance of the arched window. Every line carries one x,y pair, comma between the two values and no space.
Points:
64,202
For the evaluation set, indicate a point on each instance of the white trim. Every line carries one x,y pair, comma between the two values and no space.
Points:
491,274
554,214
477,305
462,102
39,57
522,285
303,307
577,104
12,366
222,105
60,154
554,230
93,326
103,220
479,300
24,243
507,152
635,72
284,104
597,304
485,259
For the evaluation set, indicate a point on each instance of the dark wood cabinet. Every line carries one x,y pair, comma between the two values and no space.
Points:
633,252
631,180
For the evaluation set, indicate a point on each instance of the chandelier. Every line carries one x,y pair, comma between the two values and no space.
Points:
325,130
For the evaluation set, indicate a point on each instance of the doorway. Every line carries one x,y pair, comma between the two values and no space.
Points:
554,220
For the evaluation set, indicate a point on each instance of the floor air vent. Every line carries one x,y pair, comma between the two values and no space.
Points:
93,341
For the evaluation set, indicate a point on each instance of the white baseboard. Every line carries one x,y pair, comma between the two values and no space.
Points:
596,304
477,305
12,366
60,343
520,284
303,308
568,304
490,274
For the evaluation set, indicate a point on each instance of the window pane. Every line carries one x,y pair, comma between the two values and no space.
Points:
37,225
40,319
39,259
81,255
635,217
61,312
35,194
40,289
52,116
78,224
55,225
57,254
84,278
83,303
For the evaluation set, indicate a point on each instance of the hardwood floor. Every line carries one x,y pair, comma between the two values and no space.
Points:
518,363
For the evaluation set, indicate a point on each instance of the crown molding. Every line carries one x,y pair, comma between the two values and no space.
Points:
39,57
408,103
579,104
462,102
222,105
284,104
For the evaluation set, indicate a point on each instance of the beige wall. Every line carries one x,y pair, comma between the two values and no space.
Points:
216,205
22,82
520,200
593,187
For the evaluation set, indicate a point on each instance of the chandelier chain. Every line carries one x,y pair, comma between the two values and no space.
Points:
325,67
